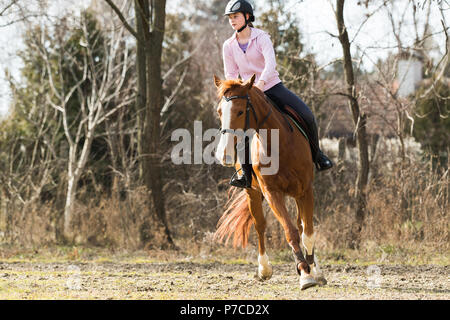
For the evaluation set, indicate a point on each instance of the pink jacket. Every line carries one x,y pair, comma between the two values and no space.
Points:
258,59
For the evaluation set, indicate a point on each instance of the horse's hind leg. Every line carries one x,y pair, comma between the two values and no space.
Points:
254,199
276,203
305,210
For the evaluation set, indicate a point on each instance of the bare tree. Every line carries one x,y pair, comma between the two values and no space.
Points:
149,35
6,6
106,82
28,162
359,120
385,88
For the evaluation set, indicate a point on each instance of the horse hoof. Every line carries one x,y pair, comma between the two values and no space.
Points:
264,274
307,282
321,280
318,276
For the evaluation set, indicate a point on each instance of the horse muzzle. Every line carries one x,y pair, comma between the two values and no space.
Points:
228,161
226,151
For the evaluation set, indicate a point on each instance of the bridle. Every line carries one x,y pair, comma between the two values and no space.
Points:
248,107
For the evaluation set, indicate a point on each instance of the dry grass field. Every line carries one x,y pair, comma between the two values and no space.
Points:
81,273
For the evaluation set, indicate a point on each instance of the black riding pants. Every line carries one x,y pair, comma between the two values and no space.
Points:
283,96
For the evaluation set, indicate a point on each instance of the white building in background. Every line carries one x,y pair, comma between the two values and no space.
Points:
409,73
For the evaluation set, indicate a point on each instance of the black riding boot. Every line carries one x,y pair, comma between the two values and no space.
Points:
245,180
321,161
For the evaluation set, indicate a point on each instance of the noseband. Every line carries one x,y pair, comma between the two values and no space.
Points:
248,107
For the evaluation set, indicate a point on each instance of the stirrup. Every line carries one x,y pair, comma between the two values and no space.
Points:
241,182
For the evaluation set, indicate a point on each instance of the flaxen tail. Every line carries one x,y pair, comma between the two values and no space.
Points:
236,219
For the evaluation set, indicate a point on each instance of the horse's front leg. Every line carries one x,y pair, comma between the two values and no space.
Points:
254,198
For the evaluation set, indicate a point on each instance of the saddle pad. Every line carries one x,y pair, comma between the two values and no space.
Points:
297,120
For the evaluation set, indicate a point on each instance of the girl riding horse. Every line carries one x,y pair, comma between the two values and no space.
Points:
244,107
250,51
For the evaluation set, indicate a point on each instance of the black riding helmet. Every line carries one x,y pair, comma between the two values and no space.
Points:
243,6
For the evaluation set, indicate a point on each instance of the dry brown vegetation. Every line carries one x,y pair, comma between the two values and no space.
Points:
407,208
407,196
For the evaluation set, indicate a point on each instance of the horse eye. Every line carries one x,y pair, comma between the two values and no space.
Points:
239,113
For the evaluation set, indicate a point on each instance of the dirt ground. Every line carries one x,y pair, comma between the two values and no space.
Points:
215,280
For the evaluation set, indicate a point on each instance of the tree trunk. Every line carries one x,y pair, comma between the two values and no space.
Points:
359,119
68,209
75,169
153,177
150,96
141,15
149,34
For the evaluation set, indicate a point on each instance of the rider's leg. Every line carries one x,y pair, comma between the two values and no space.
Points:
245,180
321,160
282,96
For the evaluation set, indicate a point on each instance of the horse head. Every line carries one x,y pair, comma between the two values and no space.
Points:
233,111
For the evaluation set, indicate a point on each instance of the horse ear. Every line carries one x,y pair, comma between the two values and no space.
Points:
251,82
217,81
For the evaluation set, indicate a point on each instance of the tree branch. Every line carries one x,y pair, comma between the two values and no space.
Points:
122,18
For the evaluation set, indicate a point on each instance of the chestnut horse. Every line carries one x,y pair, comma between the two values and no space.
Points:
243,106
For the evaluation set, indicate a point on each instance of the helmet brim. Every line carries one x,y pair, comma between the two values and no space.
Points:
251,19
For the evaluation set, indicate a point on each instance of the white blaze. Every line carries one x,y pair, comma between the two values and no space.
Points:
226,145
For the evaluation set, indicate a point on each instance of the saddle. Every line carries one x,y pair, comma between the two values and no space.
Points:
294,116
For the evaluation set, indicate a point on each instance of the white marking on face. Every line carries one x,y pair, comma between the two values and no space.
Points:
226,114
225,149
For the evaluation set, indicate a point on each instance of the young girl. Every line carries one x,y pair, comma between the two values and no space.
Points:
250,51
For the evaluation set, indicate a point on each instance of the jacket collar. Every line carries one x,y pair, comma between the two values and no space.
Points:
253,34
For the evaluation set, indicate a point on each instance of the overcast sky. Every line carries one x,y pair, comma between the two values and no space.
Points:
10,42
316,21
